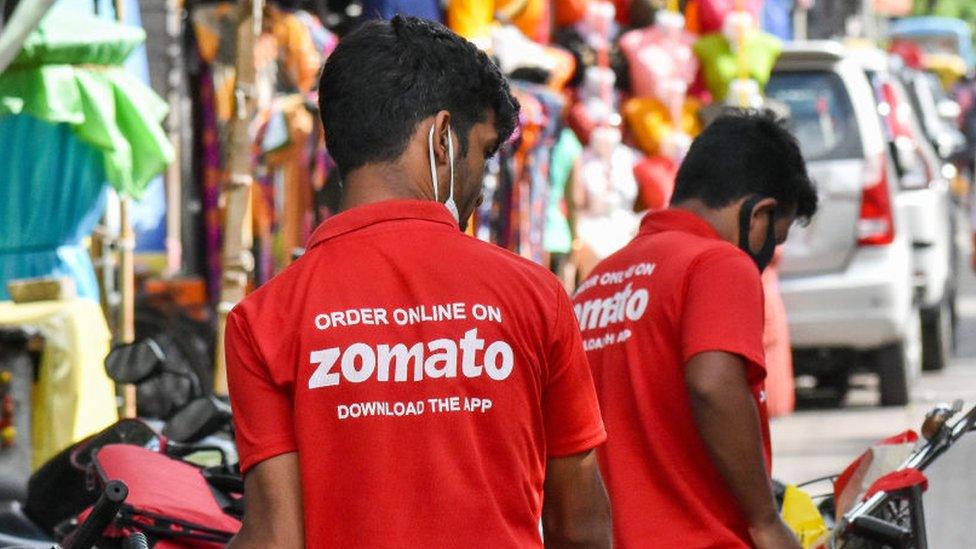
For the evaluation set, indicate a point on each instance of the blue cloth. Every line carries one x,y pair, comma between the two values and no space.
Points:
386,9
53,192
777,18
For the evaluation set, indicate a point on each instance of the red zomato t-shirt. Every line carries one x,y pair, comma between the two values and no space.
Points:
673,292
422,376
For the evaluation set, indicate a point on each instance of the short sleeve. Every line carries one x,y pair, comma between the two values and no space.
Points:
263,419
723,308
570,409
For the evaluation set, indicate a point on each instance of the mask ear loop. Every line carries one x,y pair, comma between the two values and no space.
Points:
433,165
450,162
745,222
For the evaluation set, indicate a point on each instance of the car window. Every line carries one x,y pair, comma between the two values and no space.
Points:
821,114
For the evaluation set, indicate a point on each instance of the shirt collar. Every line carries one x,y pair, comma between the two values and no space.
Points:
677,220
363,216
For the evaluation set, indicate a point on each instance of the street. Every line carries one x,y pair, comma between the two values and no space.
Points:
816,443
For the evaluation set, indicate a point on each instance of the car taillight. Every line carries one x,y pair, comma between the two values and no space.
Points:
876,224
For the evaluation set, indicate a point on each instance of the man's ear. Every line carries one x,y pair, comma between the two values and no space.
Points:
442,129
764,208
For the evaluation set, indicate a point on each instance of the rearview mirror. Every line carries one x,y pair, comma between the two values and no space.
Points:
134,362
200,418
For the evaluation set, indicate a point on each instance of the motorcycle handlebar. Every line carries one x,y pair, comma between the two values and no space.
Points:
881,531
101,516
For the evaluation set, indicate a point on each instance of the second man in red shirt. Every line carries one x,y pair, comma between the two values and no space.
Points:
673,327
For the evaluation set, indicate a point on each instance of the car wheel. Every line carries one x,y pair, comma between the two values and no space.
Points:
835,384
893,366
937,336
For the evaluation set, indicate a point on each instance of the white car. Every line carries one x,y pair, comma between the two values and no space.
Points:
925,192
847,279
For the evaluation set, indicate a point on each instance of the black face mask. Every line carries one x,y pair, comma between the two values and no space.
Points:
765,255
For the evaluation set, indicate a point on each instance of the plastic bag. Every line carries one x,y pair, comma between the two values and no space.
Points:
802,516
879,460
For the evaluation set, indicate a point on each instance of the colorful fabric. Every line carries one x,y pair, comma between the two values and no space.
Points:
73,397
654,58
49,203
473,19
375,424
558,237
59,80
650,122
712,13
720,63
655,181
777,18
386,9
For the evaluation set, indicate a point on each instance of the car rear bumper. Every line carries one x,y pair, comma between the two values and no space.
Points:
864,307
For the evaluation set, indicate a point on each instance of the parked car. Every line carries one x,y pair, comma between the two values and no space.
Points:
937,112
847,277
926,194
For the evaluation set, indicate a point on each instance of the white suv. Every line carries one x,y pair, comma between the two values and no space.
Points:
847,278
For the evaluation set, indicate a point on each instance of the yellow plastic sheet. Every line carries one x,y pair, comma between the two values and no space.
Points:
802,516
73,397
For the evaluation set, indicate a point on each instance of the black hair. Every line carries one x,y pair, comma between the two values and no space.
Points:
747,152
385,77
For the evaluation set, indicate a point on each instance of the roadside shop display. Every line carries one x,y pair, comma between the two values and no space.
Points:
720,60
628,97
712,15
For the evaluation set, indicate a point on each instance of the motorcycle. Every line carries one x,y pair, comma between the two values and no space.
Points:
890,513
188,448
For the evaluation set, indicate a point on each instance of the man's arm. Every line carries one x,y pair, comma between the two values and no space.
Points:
272,506
728,422
576,510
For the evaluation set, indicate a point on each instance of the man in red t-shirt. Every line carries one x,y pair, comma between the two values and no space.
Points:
404,384
673,327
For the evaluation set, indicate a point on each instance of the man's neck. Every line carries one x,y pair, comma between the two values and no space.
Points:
720,220
377,183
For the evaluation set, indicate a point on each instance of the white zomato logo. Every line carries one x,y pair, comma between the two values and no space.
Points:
360,362
627,304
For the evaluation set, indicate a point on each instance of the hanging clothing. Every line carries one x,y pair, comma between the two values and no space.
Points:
777,18
288,57
720,64
558,236
48,203
607,221
386,9
473,19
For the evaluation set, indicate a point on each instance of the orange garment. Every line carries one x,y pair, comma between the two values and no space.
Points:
570,12
295,201
649,121
473,19
564,70
780,390
300,57
692,19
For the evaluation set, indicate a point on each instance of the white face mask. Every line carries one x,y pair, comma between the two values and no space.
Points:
449,203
